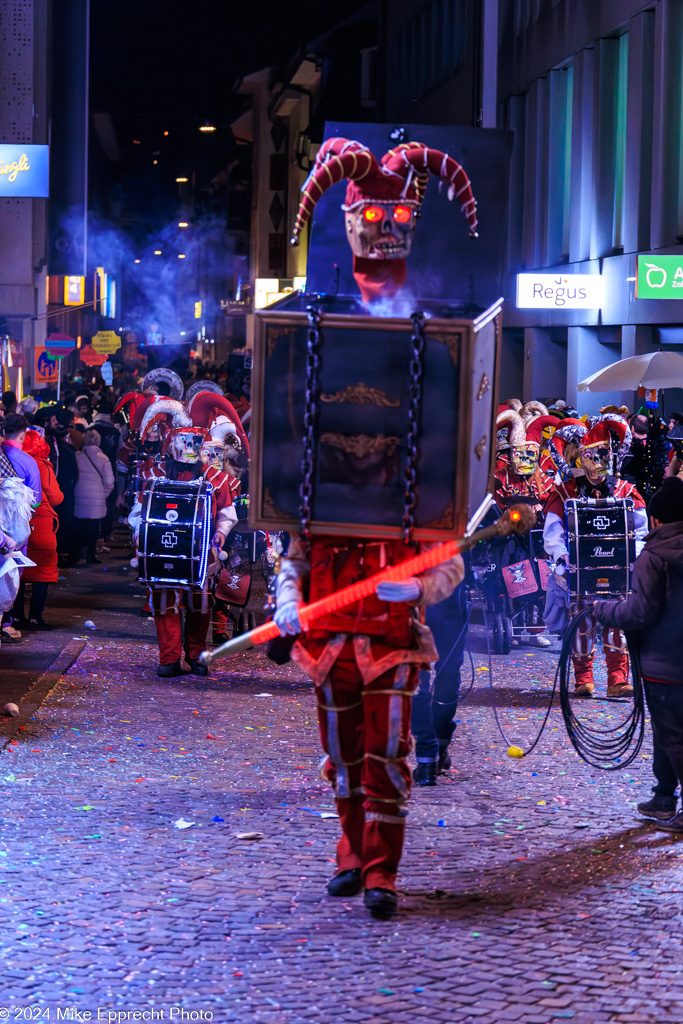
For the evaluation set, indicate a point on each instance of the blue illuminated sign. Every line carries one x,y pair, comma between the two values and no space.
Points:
25,171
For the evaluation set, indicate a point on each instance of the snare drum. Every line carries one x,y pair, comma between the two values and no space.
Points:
601,542
175,533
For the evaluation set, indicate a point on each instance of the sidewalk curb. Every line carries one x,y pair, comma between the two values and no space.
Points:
33,699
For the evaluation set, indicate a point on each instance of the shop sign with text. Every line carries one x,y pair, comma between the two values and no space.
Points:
106,342
560,291
659,277
25,171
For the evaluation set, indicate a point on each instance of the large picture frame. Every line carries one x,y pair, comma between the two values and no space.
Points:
361,432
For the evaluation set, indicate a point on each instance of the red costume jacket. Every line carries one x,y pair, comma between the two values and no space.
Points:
511,488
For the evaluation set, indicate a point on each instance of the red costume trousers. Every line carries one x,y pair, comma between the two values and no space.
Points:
616,657
171,607
365,731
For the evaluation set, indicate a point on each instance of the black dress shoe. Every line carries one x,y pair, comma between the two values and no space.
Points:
444,760
346,883
425,773
196,668
166,671
93,561
220,638
40,625
381,903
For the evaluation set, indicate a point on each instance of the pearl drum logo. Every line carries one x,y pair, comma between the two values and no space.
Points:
599,552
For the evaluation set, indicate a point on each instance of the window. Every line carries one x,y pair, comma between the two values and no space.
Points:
620,143
561,83
431,48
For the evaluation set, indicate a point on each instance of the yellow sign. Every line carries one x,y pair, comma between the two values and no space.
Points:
198,310
74,291
46,371
106,342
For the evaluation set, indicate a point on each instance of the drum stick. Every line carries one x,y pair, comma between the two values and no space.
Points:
518,519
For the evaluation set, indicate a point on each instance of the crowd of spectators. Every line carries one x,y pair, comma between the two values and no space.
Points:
66,453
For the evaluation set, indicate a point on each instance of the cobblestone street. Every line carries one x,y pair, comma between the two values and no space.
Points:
530,890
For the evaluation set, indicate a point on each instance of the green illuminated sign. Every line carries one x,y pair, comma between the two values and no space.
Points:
659,277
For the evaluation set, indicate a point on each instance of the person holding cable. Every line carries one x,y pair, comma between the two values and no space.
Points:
651,615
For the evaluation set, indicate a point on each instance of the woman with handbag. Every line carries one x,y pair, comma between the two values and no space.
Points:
95,482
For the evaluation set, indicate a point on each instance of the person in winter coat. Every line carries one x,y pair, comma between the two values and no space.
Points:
653,613
42,544
111,437
95,482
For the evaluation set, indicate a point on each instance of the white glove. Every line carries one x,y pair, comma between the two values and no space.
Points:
286,618
403,590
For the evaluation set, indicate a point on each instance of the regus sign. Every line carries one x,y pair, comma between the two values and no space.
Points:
659,277
560,291
25,171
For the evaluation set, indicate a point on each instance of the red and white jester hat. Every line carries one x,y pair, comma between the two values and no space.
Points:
401,176
603,432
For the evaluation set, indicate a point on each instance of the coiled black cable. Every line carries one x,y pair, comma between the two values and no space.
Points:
610,748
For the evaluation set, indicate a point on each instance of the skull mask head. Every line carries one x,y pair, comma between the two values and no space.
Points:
185,444
597,464
212,453
524,458
379,229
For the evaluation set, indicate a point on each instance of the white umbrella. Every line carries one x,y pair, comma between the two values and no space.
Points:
654,370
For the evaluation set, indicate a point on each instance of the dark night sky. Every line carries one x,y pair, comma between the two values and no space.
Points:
181,59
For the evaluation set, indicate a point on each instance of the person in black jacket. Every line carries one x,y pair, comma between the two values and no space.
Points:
653,613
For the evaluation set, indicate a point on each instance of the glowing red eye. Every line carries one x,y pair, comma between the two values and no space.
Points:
402,214
373,213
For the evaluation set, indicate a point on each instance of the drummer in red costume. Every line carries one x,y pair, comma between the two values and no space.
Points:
596,461
181,462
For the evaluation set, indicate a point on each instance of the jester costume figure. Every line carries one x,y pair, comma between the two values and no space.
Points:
364,661
595,460
186,430
521,479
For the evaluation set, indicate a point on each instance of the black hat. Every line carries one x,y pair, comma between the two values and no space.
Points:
667,503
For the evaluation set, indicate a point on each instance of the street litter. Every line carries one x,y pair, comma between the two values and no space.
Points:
249,835
181,823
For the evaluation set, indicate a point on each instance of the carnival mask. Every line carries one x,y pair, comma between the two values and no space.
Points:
185,446
524,459
596,464
380,230
212,453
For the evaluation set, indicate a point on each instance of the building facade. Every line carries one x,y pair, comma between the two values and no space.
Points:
593,92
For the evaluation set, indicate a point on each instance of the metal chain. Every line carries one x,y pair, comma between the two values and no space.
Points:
310,416
414,413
